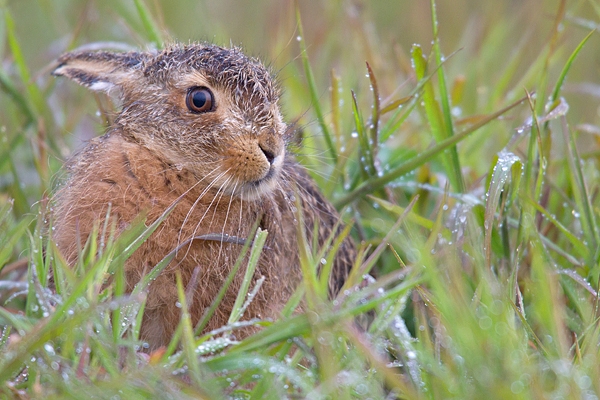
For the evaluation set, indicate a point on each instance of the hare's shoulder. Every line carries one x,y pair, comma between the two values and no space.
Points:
113,171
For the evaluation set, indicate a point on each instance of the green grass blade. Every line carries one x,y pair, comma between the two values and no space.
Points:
394,123
567,67
365,153
255,252
312,87
331,250
376,111
336,113
455,173
208,313
152,30
260,363
588,219
579,246
139,232
33,92
18,98
433,112
188,344
377,183
10,238
501,178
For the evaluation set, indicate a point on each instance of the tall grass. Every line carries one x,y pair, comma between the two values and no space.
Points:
470,181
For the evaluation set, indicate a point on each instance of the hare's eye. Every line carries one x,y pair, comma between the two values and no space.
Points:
199,99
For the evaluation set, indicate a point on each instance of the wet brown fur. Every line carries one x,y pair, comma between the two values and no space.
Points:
214,165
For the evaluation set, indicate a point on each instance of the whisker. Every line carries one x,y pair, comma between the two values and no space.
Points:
195,231
227,215
200,196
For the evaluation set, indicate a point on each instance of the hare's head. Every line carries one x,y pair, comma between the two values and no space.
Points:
208,109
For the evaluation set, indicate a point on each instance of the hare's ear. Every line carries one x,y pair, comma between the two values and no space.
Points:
100,71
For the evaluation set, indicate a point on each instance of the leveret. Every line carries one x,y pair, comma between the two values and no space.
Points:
199,127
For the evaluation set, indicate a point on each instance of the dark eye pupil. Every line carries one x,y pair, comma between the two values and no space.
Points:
199,98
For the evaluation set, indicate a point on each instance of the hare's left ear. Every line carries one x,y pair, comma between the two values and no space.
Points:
101,71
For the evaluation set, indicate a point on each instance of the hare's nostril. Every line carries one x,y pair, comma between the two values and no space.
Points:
268,153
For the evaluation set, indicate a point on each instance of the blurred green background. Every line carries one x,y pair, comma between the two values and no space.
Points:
504,37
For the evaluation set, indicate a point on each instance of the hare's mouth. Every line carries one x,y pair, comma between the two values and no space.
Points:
269,175
252,190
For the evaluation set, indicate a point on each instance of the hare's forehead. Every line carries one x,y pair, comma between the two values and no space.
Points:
225,69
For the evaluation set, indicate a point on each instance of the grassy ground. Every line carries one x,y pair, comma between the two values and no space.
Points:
468,163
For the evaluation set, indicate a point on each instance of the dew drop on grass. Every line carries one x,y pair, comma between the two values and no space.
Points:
517,387
361,389
298,38
324,338
485,323
49,349
395,364
584,382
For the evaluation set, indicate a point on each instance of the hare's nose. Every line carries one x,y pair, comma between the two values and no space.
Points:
268,153
272,147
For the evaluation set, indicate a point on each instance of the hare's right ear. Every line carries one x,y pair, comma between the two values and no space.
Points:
100,71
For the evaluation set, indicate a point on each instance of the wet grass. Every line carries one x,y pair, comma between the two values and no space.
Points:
471,182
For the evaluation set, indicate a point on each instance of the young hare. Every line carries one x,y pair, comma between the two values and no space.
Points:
200,127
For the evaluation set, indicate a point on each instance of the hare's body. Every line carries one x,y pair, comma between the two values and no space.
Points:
200,128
